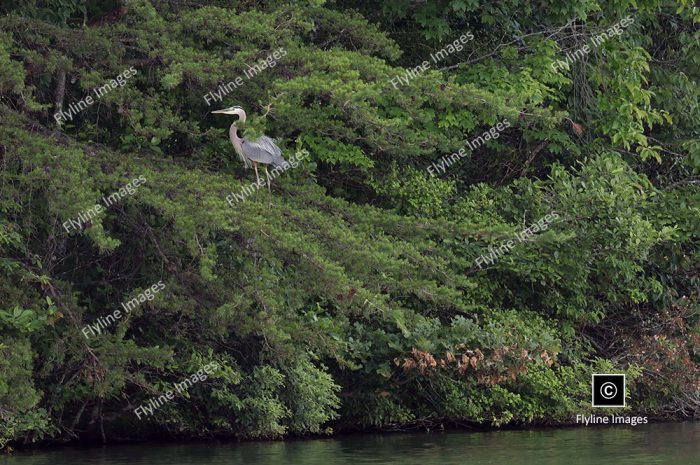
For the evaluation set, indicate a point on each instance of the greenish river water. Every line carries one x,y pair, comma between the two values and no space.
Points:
677,443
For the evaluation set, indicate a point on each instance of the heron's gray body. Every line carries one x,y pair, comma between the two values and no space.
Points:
263,150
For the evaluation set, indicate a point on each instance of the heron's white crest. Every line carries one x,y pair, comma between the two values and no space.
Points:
233,111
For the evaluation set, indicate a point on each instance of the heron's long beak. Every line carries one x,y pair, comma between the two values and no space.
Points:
225,111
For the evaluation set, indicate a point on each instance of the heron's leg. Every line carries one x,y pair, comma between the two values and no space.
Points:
257,178
269,191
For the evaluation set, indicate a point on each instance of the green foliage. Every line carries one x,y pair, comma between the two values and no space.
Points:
357,300
311,395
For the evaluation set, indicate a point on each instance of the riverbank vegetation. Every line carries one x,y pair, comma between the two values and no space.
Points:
375,292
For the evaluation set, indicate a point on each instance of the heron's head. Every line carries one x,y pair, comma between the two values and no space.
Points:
236,110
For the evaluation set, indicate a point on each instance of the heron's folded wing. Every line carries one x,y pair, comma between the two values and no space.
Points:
269,143
263,150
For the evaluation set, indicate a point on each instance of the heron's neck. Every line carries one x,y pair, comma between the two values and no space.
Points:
235,140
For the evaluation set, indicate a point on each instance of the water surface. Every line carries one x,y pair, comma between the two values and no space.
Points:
672,443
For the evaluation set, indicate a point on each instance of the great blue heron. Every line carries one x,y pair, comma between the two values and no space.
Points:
262,150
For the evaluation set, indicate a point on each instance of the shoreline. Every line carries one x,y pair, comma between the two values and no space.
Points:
163,440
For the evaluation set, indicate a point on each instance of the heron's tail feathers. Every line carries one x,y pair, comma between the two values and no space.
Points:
279,161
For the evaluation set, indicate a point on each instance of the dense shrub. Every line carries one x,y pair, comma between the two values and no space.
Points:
358,300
